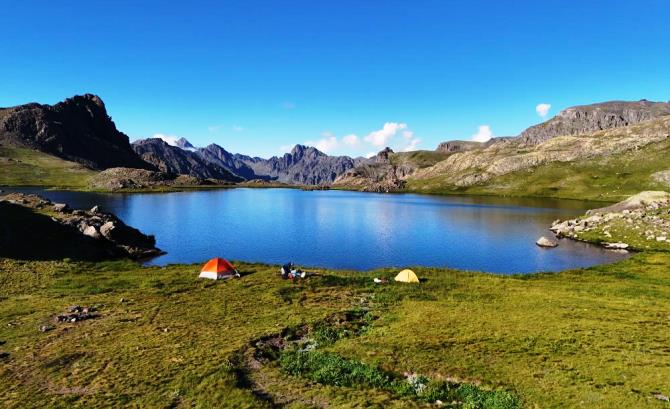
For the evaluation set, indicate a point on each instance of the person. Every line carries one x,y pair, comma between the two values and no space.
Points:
286,270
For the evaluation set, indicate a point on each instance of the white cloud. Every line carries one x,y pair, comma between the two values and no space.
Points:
238,128
484,134
408,134
382,136
169,139
542,109
326,145
412,144
351,140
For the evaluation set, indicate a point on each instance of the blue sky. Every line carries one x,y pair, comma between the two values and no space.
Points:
258,76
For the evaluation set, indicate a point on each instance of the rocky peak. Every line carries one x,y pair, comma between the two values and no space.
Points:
77,129
185,144
307,152
384,155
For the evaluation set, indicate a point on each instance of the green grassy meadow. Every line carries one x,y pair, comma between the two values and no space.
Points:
27,167
596,338
607,178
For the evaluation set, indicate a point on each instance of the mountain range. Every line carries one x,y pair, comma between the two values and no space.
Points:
79,130
598,151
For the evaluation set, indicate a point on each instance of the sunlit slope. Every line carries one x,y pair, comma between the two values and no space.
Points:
26,167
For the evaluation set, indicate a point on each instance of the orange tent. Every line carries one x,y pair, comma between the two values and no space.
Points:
218,268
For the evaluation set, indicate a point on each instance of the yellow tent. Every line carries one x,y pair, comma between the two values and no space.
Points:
407,276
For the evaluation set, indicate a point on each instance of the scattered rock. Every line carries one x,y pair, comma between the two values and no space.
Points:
111,233
616,246
61,207
546,242
76,313
106,230
91,231
45,328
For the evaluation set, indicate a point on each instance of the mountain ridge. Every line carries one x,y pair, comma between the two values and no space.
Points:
77,129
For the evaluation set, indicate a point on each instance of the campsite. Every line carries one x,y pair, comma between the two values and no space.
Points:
164,335
335,204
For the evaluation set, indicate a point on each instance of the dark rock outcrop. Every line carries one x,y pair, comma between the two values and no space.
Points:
177,161
77,129
93,234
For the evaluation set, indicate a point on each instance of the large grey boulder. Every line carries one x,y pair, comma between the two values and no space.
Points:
546,242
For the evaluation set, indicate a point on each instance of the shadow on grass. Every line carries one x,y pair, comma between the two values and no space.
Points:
27,235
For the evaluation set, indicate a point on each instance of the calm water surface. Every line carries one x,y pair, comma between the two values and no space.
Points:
350,230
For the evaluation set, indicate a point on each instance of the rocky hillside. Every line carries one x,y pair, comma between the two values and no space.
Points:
585,133
587,119
179,161
77,129
114,179
641,222
235,163
37,228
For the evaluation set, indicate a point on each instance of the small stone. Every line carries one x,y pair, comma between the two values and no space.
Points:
546,242
616,246
45,328
61,207
661,238
122,300
662,397
95,209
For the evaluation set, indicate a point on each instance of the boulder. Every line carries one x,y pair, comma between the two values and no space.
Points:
546,242
616,246
61,207
95,209
106,230
91,231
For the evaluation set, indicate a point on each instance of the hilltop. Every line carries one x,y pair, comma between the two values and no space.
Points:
602,151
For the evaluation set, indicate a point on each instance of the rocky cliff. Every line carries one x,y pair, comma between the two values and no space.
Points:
77,129
586,119
577,133
178,161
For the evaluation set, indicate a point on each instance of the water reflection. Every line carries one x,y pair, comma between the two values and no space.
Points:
350,230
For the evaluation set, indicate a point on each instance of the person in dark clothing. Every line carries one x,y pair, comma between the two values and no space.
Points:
286,270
